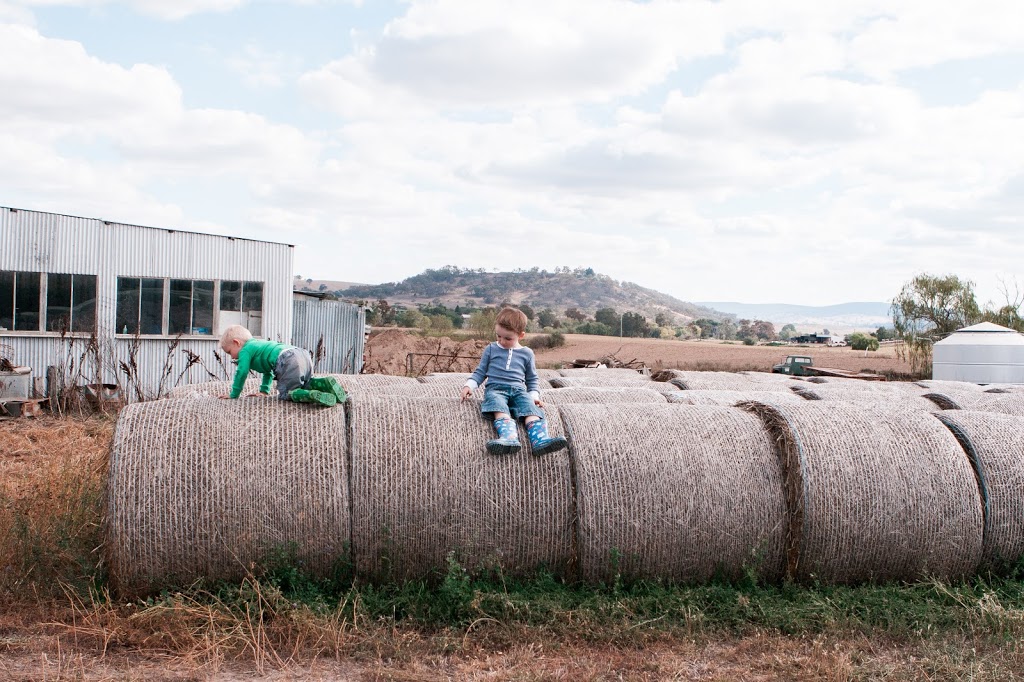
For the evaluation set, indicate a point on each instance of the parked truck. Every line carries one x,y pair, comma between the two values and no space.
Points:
803,366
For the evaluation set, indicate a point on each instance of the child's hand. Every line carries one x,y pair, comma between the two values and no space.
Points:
466,392
538,402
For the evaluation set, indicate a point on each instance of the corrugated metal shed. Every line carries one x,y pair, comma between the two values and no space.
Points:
984,353
333,327
37,242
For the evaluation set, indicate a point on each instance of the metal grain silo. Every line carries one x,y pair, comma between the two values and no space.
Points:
983,353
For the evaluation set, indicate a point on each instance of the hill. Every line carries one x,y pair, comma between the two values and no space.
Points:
858,314
581,288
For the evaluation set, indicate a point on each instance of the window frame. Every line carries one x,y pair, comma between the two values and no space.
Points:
166,308
43,303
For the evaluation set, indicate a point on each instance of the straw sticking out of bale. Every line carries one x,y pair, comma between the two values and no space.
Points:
730,398
675,492
995,445
205,488
423,486
880,494
571,396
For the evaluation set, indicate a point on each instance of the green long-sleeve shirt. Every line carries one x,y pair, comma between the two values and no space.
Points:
259,356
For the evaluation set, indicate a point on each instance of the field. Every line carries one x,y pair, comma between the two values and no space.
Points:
388,353
58,621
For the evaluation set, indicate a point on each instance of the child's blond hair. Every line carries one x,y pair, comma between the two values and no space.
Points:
235,332
512,319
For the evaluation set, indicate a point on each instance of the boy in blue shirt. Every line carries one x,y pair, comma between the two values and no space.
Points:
510,371
292,366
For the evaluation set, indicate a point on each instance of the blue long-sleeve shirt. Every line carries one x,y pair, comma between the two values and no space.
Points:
512,366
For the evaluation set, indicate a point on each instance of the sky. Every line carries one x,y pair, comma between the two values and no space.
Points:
807,152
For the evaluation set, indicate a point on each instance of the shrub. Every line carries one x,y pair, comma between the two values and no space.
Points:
748,341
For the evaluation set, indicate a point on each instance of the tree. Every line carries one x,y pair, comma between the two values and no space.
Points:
482,321
547,318
884,333
575,314
527,310
635,325
607,316
707,327
862,341
928,309
663,320
409,318
787,332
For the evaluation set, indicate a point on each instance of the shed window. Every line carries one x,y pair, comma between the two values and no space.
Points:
191,307
140,305
245,297
64,302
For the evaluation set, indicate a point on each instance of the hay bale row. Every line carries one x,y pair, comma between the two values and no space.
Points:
207,488
1000,403
624,372
423,487
458,379
674,492
874,495
995,445
730,398
942,385
216,389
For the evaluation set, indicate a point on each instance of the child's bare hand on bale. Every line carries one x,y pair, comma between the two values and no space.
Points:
538,402
466,392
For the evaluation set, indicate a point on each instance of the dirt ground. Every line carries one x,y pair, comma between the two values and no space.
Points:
396,351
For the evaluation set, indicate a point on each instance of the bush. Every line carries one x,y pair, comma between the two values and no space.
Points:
749,341
541,341
860,341
556,339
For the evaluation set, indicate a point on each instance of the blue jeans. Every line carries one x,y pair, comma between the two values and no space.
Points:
513,400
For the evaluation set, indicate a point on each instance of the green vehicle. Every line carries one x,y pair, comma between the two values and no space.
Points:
797,365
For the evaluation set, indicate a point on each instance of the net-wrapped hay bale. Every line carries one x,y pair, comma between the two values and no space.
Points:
1001,403
625,372
598,380
941,386
1010,403
716,381
874,495
217,389
995,445
424,487
209,488
729,398
371,383
769,377
675,492
616,394
887,400
459,378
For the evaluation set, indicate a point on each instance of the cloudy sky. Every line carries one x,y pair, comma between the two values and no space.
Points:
798,151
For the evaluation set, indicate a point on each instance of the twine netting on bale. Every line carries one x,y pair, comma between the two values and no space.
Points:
941,386
572,396
874,495
369,383
730,398
207,488
884,400
769,377
675,492
716,381
601,371
995,444
1001,403
216,389
1009,403
424,486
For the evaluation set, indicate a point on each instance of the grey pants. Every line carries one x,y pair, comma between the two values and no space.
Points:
293,370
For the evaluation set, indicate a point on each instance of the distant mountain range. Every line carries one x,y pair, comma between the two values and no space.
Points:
840,315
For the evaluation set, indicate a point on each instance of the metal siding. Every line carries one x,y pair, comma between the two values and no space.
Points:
342,327
47,242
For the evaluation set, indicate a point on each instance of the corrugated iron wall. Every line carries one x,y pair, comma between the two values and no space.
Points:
337,327
47,242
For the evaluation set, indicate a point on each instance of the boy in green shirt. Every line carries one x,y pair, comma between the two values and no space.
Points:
292,366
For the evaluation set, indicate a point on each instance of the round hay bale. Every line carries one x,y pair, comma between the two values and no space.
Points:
207,488
1001,403
770,377
618,394
1010,403
717,381
879,399
597,380
424,487
457,379
675,492
217,389
371,383
995,445
730,398
874,495
941,386
601,372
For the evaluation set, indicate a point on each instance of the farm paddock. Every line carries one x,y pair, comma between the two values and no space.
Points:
268,627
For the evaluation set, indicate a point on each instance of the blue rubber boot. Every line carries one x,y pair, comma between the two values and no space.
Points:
540,440
507,442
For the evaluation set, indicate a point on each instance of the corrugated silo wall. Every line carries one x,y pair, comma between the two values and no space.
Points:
335,326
